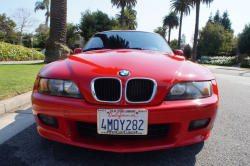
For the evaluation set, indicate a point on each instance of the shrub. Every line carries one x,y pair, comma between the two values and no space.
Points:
218,60
38,49
9,52
246,63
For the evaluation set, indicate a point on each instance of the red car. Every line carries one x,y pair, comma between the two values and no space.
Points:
125,91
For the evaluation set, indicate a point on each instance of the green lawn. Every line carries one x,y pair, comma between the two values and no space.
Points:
18,78
208,64
246,68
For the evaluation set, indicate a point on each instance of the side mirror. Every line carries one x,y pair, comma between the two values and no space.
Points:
178,52
77,50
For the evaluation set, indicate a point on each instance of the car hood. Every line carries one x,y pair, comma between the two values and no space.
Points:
166,69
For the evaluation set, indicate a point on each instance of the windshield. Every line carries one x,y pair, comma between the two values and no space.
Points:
127,40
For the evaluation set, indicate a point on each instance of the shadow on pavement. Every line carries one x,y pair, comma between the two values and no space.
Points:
13,122
32,149
232,69
241,74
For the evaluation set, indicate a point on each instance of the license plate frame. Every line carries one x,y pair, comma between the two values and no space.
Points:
142,117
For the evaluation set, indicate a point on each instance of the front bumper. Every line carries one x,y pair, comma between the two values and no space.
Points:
178,113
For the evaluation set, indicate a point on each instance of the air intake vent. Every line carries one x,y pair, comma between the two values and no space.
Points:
106,89
154,131
140,90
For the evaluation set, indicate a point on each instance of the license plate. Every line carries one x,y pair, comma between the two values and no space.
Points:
122,122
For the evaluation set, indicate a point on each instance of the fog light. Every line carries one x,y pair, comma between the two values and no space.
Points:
49,121
198,124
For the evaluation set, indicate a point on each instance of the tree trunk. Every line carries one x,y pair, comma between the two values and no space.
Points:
169,35
56,45
196,30
179,39
47,17
122,16
21,33
47,21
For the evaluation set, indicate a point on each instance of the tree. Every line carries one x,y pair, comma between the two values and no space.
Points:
171,21
235,46
7,33
27,39
217,18
183,41
24,20
44,5
244,40
187,51
162,31
129,18
181,7
92,23
72,33
210,40
227,42
215,40
210,19
226,22
56,44
174,44
122,4
42,35
197,4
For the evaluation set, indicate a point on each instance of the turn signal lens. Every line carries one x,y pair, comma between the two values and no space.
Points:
190,90
58,87
43,85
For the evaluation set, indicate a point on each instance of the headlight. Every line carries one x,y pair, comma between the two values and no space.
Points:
190,90
57,87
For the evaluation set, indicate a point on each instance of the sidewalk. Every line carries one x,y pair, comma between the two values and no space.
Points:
19,62
14,102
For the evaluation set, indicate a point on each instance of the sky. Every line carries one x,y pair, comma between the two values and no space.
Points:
150,13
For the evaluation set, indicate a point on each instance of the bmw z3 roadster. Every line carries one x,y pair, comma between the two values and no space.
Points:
125,91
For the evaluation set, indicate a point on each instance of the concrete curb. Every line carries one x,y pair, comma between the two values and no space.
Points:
14,102
19,62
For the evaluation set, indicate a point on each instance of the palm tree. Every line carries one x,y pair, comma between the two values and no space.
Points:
197,3
129,17
171,21
56,44
162,31
42,5
182,7
122,4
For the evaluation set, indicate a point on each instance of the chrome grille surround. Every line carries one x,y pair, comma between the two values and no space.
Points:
92,85
153,91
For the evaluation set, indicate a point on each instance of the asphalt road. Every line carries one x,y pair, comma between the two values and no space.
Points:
229,143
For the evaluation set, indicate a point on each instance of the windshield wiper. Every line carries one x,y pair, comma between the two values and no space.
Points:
98,48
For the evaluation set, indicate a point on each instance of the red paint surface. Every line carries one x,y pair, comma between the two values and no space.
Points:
77,50
178,52
165,69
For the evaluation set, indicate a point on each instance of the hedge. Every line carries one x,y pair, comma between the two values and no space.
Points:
219,60
9,52
246,63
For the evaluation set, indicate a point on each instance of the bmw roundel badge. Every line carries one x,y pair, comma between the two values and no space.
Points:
124,73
